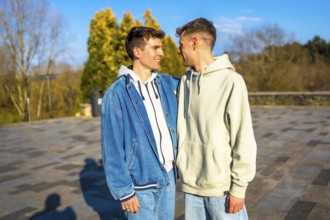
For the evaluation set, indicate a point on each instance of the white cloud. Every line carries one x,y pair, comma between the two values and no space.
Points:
234,25
244,18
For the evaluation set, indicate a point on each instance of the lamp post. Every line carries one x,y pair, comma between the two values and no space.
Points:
48,77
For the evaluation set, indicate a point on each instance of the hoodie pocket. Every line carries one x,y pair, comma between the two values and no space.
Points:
203,165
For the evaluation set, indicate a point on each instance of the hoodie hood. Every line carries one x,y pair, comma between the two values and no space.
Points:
196,81
123,70
220,63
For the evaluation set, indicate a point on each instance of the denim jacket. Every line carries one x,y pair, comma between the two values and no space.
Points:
129,150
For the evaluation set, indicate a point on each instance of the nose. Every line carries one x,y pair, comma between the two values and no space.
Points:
161,52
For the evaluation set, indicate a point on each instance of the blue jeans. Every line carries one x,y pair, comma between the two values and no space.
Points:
200,208
156,204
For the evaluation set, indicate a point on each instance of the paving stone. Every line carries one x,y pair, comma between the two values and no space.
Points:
293,184
11,177
16,205
320,211
63,156
300,210
18,215
269,215
319,155
278,200
307,170
323,178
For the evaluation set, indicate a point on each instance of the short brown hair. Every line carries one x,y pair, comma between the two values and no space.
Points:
199,25
138,36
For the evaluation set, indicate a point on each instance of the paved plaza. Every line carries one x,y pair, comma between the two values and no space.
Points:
51,169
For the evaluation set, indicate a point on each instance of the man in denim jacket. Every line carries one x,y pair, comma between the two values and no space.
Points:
138,131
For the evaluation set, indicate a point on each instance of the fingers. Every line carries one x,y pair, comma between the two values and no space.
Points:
234,209
131,205
234,204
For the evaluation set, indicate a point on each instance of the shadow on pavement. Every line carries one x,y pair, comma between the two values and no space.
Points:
50,212
96,193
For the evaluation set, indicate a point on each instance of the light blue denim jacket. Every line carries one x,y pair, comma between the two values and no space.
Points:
129,150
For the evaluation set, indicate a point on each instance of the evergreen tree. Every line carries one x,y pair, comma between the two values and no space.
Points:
126,24
101,67
107,52
150,21
318,46
171,63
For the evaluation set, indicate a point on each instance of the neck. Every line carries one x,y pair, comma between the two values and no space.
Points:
203,62
143,73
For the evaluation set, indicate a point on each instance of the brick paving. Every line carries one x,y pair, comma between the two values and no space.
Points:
51,169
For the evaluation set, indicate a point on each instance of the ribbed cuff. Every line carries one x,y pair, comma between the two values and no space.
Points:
238,191
128,197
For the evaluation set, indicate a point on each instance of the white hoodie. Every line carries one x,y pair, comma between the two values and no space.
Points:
149,93
217,148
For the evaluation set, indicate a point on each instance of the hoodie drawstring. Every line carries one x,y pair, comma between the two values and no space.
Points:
189,98
199,81
140,90
153,87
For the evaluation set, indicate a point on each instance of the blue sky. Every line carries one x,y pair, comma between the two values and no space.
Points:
301,18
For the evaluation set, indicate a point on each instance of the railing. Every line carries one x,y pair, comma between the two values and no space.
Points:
318,98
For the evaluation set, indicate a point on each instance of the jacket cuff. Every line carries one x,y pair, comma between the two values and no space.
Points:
238,191
127,197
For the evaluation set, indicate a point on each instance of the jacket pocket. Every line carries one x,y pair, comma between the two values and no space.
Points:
132,152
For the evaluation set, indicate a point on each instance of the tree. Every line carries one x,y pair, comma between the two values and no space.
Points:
21,35
253,41
318,46
171,63
271,61
107,52
257,57
150,21
24,30
101,66
125,25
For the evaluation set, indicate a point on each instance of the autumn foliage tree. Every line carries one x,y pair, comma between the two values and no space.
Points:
21,35
30,36
106,47
269,60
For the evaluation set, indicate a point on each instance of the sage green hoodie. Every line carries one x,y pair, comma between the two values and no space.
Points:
217,148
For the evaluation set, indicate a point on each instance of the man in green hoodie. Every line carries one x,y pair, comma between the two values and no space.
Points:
217,148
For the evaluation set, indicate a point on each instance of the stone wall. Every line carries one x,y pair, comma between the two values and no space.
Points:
290,98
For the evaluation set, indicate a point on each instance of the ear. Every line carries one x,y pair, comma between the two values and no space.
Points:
194,42
137,52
